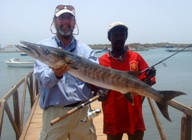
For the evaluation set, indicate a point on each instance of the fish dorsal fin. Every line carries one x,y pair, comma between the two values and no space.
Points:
134,74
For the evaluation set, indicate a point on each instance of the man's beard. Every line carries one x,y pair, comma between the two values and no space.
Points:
66,34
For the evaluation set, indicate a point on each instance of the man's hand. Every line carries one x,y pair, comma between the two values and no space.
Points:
150,73
60,71
102,95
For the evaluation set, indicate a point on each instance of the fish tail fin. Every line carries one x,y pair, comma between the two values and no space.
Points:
166,96
163,107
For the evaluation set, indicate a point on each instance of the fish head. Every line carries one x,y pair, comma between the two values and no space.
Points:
46,54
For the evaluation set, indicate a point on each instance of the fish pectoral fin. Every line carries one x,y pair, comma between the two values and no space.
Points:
134,74
129,97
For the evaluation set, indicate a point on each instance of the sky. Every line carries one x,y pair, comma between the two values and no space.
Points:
149,21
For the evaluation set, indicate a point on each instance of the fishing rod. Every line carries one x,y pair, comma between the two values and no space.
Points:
92,114
97,96
166,58
153,71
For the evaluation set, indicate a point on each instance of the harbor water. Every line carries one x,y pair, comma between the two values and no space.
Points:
174,74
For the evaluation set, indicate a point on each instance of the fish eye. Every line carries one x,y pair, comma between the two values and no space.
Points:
46,52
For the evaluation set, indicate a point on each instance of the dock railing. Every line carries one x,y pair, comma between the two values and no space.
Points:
29,86
186,120
16,108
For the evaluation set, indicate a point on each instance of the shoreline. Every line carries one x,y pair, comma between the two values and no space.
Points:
10,51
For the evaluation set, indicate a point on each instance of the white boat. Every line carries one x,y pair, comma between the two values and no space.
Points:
23,54
16,62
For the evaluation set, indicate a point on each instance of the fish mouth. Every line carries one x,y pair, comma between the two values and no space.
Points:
31,50
28,48
46,54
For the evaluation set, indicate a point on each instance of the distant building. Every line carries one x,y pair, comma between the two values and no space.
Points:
9,48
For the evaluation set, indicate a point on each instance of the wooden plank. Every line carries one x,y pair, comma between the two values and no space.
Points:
186,127
27,129
2,104
157,120
16,110
181,107
12,120
34,124
98,121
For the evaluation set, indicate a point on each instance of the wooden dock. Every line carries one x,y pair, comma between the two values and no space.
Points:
32,128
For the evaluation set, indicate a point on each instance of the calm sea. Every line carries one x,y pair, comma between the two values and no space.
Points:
174,74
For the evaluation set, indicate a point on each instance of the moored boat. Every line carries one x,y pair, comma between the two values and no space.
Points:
176,49
16,62
23,54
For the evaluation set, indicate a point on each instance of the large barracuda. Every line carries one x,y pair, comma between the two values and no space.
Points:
98,75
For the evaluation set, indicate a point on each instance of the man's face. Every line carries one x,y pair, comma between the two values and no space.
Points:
118,37
65,24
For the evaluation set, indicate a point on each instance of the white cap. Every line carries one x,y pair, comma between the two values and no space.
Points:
116,24
64,11
61,9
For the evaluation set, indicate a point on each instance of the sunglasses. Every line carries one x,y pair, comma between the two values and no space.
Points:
63,7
